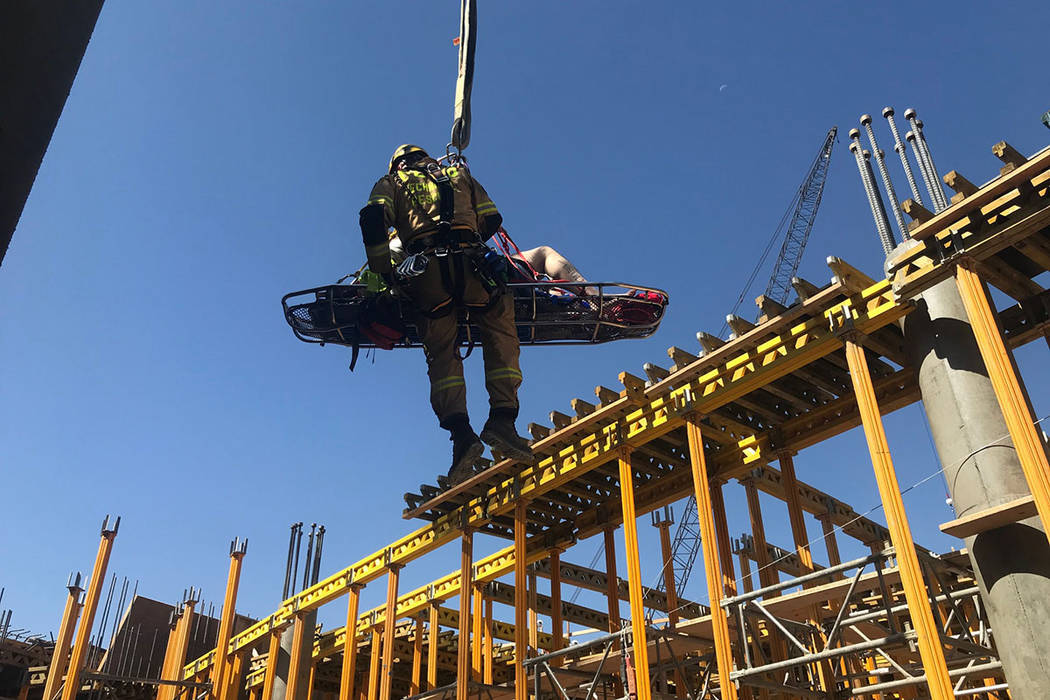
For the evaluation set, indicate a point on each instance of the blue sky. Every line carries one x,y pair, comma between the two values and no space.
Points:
213,156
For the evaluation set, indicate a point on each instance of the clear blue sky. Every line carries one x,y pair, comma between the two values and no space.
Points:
213,156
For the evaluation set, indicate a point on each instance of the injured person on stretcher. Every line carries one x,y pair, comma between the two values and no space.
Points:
542,263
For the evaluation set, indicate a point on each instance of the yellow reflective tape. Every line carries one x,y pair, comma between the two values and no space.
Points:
447,383
504,373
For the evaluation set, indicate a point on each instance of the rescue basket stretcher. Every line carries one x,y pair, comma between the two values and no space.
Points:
546,313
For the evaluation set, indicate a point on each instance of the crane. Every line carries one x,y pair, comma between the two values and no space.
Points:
793,233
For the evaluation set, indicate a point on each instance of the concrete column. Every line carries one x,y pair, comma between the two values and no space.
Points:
280,684
1012,562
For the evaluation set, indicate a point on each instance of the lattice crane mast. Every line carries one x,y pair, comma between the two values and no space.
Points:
793,233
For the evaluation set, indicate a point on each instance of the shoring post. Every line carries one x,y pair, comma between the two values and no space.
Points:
178,642
521,681
229,610
174,628
373,663
1031,451
612,590
60,656
557,624
634,577
349,670
930,649
270,675
712,563
725,551
800,537
667,556
745,573
767,573
291,691
417,656
663,525
534,617
183,640
466,587
389,618
433,632
831,542
234,677
255,693
796,515
477,621
310,680
87,617
488,642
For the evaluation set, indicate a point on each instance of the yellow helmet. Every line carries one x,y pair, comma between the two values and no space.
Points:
402,151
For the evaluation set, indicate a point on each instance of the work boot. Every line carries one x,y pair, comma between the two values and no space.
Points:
500,434
466,448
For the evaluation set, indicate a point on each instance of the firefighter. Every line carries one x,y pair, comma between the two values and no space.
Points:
442,216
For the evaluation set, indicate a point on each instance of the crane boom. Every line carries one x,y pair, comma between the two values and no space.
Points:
804,206
799,218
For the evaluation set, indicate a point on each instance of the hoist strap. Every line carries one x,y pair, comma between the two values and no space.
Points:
468,26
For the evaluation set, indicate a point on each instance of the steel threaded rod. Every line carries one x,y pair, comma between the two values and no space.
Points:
898,146
929,176
895,205
917,152
882,225
889,242
935,176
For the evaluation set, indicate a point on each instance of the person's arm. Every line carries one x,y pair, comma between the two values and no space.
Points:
375,218
489,218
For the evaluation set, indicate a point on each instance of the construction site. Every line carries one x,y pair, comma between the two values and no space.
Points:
785,616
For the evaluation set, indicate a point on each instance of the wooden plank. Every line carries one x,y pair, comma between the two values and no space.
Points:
985,195
769,308
848,276
1009,156
990,518
655,373
1007,279
959,183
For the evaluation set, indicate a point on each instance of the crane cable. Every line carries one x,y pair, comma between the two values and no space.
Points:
468,26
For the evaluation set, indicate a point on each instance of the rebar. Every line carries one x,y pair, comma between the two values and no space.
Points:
936,190
891,194
878,212
317,554
902,151
308,563
297,537
288,566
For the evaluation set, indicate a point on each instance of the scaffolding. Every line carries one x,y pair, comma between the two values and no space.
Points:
900,622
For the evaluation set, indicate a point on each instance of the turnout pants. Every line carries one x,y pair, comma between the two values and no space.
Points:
498,338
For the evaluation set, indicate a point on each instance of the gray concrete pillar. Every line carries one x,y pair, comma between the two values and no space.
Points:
982,470
280,681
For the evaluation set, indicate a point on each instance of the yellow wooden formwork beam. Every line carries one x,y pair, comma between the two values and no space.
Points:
388,633
712,562
346,679
634,578
928,637
78,657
